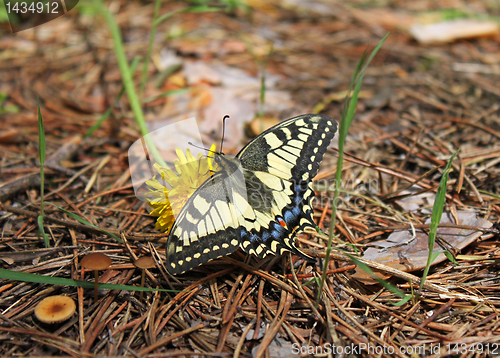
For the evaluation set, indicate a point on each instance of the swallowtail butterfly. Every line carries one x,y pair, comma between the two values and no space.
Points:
258,200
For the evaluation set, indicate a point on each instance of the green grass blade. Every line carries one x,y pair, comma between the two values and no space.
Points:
496,196
128,83
404,297
354,99
437,212
41,231
450,257
313,280
60,281
166,94
41,158
260,113
85,222
346,120
107,113
41,139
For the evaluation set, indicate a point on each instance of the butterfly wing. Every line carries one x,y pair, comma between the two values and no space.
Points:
205,228
291,150
263,209
279,165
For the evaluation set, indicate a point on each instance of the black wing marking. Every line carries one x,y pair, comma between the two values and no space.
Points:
275,231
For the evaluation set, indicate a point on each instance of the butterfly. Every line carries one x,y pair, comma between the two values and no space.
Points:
257,201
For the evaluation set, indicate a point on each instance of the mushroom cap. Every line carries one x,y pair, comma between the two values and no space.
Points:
54,309
145,262
96,261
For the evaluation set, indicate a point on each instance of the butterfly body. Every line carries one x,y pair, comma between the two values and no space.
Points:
258,200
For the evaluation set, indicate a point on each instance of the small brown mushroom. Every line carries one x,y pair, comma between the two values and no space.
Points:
96,261
144,263
55,309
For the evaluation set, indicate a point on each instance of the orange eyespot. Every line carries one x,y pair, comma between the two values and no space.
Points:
282,222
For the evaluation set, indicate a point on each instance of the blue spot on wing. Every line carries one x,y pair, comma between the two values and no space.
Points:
289,215
278,232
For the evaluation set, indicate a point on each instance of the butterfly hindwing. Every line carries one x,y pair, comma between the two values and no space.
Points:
258,201
291,152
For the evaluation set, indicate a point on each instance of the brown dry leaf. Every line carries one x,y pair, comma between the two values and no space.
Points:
403,253
259,125
225,90
263,5
338,96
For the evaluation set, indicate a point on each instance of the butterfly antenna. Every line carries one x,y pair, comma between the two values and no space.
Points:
197,146
223,130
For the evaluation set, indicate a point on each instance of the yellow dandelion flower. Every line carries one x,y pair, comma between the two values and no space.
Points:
191,173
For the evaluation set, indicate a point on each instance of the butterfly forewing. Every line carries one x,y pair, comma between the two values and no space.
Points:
205,228
260,208
291,150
